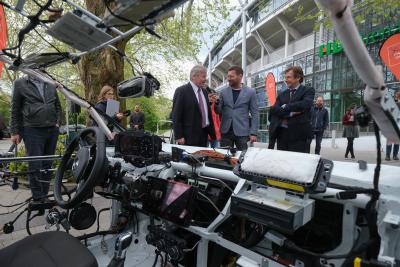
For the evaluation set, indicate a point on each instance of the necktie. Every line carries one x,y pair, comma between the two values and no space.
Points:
292,92
202,111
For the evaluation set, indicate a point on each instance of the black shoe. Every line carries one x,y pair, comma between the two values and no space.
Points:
387,158
395,158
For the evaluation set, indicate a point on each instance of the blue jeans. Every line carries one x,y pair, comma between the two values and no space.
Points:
40,142
213,143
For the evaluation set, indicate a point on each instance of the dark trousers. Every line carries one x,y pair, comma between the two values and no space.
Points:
285,143
40,142
271,141
389,150
350,147
230,140
318,139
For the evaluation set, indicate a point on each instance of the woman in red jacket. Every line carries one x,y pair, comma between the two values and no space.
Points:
350,131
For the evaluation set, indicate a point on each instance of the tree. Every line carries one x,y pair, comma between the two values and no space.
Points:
183,36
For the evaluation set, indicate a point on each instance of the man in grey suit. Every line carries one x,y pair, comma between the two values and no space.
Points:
235,103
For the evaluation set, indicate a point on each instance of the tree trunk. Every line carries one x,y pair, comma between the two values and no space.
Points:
103,67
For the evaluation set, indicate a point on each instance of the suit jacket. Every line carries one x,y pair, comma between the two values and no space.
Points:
30,109
237,114
299,125
186,116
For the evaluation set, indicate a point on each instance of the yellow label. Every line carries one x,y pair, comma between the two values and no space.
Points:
357,262
284,185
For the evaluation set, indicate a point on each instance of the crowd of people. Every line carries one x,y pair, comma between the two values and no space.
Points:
200,116
230,118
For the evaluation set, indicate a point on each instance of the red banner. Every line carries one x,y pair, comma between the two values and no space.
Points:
3,33
270,87
390,54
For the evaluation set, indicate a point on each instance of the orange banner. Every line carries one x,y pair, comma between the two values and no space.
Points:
270,87
390,54
3,33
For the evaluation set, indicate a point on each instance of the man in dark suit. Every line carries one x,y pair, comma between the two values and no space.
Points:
292,108
192,118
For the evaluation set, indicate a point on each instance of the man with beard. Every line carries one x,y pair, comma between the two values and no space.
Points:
235,103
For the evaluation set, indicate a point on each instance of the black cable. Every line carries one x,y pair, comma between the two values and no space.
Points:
120,17
16,204
6,213
98,218
44,39
156,259
34,21
19,215
27,223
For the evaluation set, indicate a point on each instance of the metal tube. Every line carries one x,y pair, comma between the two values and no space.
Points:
209,69
244,42
81,102
32,158
207,171
360,202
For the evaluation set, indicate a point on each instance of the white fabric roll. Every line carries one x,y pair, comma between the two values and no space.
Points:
292,166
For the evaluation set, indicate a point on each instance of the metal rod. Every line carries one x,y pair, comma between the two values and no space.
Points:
31,158
244,43
77,100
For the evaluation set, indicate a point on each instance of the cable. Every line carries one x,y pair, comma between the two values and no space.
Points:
217,180
212,203
6,213
16,204
44,39
98,218
191,249
156,259
119,17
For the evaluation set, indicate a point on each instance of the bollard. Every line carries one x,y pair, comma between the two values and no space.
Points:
333,144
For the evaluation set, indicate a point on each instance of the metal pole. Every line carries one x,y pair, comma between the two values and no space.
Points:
244,41
286,42
66,100
209,69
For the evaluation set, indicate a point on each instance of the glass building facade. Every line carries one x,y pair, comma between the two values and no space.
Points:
332,75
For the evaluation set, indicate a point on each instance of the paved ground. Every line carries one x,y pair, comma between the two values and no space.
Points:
8,196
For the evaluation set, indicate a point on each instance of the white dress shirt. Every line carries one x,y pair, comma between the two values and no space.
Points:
195,90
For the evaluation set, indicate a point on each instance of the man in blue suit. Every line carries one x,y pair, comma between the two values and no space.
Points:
235,103
293,107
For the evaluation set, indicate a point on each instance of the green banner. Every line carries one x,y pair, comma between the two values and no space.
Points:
335,47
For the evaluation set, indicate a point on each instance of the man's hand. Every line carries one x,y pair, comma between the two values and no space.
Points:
181,141
253,138
213,98
16,139
136,126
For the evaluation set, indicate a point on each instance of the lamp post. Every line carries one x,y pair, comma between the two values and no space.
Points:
244,39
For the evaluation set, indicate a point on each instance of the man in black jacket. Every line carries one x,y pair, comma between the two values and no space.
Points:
319,122
191,113
292,108
35,117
